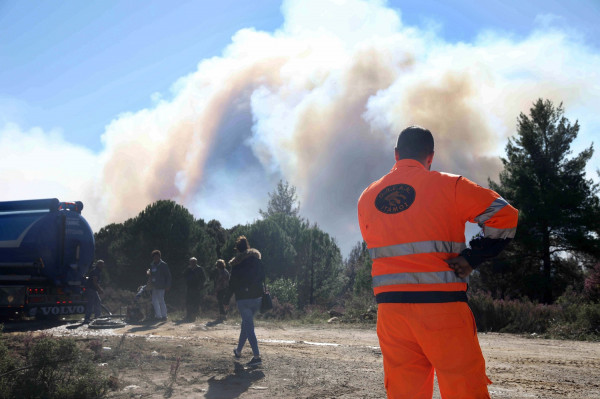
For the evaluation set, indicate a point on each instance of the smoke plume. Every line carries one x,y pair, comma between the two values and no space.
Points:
320,103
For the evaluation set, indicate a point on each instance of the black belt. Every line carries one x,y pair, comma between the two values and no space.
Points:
421,297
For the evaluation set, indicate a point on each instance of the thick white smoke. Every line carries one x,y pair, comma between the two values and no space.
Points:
318,103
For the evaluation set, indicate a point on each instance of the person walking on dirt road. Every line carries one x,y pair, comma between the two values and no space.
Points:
413,221
246,283
160,281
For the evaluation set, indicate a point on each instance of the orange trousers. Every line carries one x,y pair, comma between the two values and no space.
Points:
418,338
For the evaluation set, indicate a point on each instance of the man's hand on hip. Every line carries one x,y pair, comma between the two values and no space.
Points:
461,267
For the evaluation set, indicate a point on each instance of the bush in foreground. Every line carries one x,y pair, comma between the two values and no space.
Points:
571,317
47,367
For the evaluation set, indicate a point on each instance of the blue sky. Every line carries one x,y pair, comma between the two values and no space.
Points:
81,78
76,65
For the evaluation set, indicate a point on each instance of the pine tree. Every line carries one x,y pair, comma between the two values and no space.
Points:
558,207
283,200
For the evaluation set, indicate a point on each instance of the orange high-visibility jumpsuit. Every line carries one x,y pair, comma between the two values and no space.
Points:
413,220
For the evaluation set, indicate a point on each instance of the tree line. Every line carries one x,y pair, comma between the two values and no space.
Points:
300,259
557,244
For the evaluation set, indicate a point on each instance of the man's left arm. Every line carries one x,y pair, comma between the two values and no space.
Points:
496,217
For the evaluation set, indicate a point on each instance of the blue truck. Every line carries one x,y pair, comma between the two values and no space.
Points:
46,249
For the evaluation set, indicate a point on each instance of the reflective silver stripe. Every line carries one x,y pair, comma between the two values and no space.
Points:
418,278
421,247
498,204
491,232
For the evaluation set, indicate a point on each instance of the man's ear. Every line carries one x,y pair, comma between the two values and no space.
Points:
396,155
429,160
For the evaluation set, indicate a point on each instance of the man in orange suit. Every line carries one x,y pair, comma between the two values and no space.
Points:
413,221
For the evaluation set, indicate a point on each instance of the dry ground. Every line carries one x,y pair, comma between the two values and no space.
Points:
194,360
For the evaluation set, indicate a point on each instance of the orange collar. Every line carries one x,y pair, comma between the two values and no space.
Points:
408,163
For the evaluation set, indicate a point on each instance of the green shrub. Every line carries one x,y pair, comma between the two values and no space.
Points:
359,309
581,322
512,316
285,291
589,318
314,314
281,311
48,367
571,317
7,365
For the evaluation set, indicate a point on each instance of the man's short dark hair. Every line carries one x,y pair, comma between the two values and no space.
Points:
414,142
156,252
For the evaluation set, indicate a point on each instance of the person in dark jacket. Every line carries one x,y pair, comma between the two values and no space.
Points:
195,278
92,291
160,281
222,288
246,283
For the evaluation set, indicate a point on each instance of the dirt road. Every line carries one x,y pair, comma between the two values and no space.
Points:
194,360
